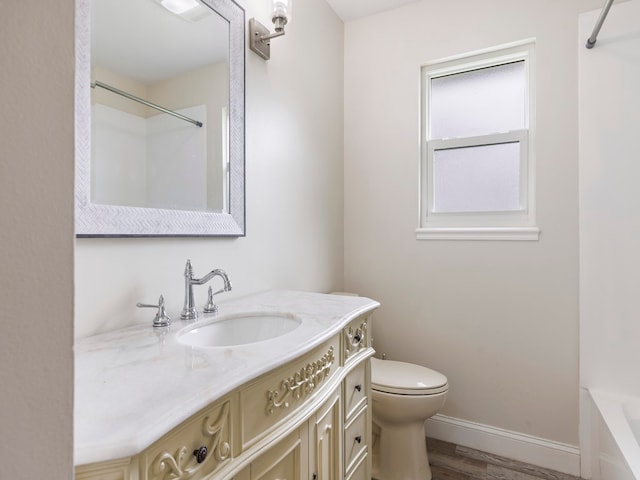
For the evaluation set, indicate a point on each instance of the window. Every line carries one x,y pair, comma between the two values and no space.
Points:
477,162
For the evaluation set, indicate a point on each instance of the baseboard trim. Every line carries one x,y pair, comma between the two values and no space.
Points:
517,446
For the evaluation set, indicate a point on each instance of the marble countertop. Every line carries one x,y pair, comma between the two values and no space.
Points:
135,384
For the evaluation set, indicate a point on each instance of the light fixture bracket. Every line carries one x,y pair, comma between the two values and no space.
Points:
260,37
257,41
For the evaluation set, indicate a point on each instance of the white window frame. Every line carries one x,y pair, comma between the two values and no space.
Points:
493,225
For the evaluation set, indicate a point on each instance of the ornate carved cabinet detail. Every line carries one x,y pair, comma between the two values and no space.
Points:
301,383
355,337
198,447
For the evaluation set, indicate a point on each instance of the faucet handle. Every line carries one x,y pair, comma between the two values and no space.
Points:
211,306
161,319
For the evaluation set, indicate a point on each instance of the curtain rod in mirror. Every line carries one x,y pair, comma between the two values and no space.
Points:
145,102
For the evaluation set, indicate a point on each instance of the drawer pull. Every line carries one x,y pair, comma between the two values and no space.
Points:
358,387
200,454
358,439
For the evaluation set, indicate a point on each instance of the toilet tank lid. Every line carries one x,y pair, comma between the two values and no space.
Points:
405,378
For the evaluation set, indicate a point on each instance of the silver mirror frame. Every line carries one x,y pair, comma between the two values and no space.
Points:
93,220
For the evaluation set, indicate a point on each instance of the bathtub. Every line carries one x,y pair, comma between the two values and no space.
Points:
616,436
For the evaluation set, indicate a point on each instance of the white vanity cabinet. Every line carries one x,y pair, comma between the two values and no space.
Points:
307,419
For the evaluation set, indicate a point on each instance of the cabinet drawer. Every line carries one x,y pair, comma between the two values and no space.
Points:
271,399
113,470
355,392
355,337
174,455
355,439
360,471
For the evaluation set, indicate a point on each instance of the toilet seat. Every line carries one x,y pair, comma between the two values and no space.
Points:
400,378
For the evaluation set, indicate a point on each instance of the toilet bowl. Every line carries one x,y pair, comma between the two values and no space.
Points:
404,395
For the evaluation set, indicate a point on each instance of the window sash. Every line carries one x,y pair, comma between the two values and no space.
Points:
476,218
480,83
516,136
483,225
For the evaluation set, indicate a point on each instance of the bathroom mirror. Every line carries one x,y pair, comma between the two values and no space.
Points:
159,118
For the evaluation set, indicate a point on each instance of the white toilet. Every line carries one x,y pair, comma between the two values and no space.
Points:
404,396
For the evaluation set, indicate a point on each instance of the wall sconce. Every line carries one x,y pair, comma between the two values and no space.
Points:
259,35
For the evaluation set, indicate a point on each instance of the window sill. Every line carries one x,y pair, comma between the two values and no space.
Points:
478,233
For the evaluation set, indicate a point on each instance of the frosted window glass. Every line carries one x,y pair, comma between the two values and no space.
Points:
477,179
479,102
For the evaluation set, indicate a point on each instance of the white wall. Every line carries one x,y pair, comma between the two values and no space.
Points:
36,239
294,185
500,319
207,86
609,223
610,202
118,157
177,164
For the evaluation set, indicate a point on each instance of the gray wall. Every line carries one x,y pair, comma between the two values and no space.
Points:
36,239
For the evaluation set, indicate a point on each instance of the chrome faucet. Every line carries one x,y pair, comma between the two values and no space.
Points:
189,311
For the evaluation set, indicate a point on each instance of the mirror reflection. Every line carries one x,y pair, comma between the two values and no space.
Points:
159,105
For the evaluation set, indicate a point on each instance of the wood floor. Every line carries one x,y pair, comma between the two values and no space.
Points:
453,462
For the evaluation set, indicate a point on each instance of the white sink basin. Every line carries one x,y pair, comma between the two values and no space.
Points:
239,330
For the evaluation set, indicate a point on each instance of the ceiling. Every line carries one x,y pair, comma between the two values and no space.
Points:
353,9
145,42
137,39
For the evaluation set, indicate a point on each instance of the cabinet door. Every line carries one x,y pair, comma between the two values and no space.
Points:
326,434
245,474
287,460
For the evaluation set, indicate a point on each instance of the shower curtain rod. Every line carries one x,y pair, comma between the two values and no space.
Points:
591,41
144,102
